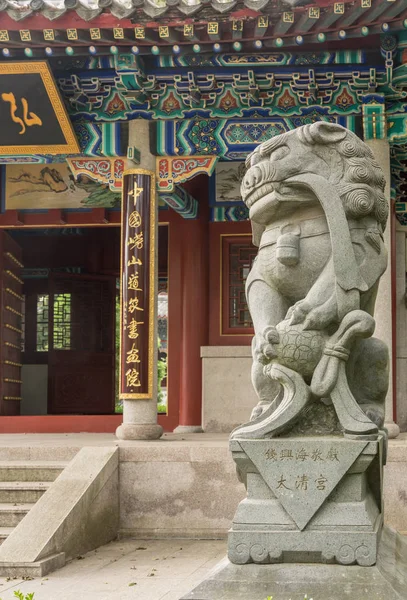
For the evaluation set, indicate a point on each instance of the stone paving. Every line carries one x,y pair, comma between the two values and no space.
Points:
127,570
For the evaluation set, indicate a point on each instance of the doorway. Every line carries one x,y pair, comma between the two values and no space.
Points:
64,327
59,320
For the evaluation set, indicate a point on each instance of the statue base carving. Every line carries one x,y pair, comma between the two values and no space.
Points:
310,499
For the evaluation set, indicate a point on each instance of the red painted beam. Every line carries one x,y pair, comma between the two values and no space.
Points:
60,424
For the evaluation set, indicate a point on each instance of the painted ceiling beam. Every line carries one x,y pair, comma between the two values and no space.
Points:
182,202
285,23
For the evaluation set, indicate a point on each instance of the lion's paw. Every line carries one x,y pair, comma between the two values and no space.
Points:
264,351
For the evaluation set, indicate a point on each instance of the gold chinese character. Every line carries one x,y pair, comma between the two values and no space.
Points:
366,3
301,455
237,25
48,35
302,483
134,261
313,12
4,37
133,305
118,33
317,455
25,35
139,33
163,31
94,33
213,28
133,328
263,22
135,219
29,119
133,355
332,454
281,483
339,8
288,17
132,378
72,34
321,481
136,193
286,453
133,283
271,454
188,30
136,242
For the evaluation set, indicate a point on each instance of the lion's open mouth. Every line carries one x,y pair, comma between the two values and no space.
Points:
258,193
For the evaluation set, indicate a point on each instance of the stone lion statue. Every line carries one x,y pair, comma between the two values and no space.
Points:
318,212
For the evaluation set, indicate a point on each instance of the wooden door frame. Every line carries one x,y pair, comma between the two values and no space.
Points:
171,420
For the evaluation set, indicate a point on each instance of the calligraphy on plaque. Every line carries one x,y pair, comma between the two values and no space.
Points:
138,250
33,118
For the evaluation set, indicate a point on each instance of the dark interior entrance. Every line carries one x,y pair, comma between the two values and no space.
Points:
81,344
59,301
63,328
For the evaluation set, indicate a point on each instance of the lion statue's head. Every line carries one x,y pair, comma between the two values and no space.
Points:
324,149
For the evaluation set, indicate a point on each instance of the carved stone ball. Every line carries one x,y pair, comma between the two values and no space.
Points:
298,349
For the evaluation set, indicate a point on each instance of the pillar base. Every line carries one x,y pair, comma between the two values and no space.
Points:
135,431
188,429
393,430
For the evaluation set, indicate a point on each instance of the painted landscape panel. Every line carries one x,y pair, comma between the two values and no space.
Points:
228,178
53,186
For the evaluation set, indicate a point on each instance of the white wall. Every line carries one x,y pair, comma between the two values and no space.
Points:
34,389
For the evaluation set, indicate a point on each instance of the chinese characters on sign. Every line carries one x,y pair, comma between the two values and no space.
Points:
138,280
316,455
302,481
33,118
28,120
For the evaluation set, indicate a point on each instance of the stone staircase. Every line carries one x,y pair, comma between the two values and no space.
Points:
22,483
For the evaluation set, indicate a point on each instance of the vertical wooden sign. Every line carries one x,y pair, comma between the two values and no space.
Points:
138,266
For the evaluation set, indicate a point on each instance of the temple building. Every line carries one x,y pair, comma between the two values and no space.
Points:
174,94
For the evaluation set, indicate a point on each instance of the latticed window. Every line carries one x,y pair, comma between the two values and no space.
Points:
42,322
238,254
62,322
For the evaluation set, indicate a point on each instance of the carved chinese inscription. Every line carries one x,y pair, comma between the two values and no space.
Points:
137,285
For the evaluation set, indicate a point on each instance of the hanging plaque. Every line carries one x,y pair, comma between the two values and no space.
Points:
137,306
33,118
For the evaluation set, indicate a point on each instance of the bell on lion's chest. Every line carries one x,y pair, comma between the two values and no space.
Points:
288,249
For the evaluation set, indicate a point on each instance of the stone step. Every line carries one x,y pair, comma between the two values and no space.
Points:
11,513
22,491
4,533
16,470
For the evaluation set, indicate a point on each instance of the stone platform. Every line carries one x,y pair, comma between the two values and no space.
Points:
284,582
192,475
386,581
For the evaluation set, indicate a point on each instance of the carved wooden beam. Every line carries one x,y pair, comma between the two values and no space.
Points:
171,170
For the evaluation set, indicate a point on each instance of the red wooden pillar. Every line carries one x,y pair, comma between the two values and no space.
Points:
194,325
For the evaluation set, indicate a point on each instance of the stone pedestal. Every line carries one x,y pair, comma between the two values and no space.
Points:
308,500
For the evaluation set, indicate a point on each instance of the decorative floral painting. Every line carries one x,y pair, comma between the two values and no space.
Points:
53,186
228,178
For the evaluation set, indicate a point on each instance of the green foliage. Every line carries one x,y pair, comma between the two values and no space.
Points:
161,374
21,596
161,370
